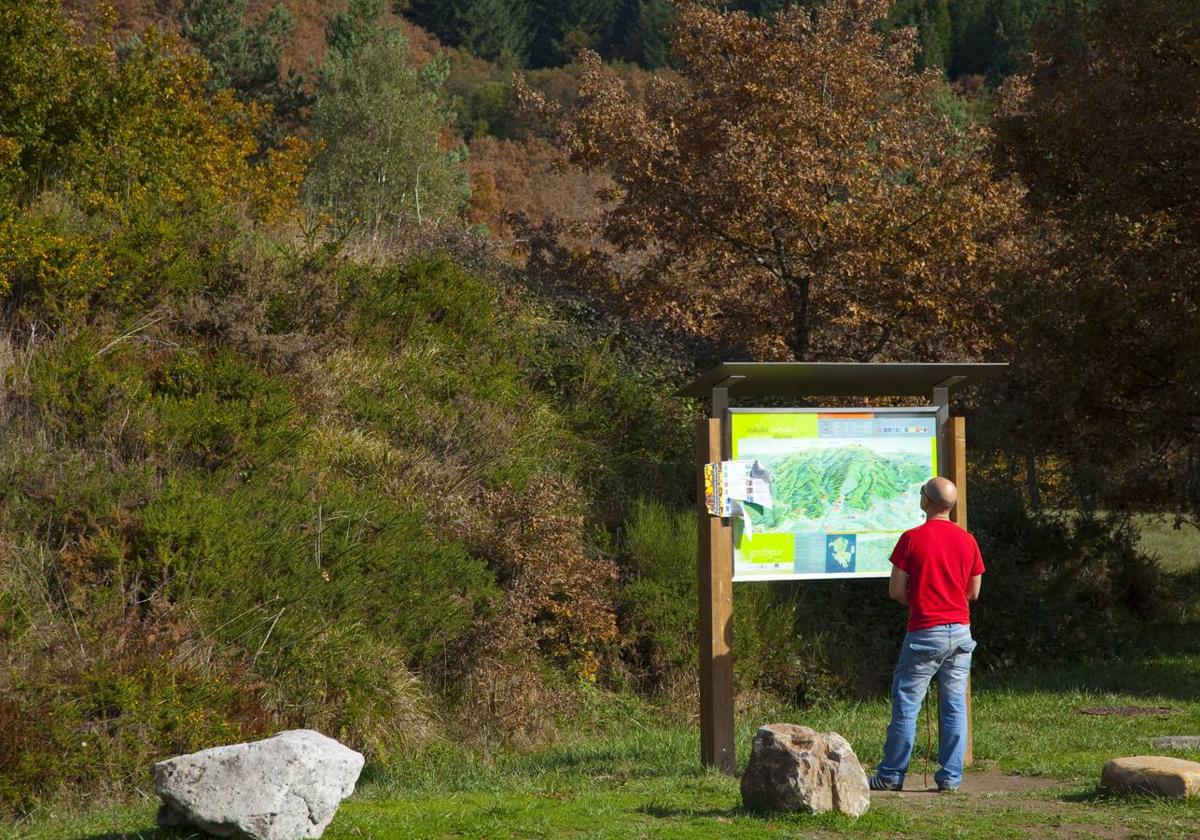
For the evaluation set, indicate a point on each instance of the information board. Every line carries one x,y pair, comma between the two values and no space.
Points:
844,485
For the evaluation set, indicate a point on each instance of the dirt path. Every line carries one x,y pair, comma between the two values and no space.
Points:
985,789
982,783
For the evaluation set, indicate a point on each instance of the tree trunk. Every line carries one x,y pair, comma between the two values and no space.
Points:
798,290
1031,481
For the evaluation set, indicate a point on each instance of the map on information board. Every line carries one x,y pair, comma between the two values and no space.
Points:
844,486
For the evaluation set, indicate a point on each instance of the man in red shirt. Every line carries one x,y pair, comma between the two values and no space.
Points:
936,570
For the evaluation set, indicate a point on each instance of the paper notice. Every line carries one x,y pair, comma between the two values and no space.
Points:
729,486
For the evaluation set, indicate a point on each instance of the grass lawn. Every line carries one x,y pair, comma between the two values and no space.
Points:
1177,549
635,776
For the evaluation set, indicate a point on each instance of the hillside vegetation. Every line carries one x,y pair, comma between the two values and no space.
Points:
252,482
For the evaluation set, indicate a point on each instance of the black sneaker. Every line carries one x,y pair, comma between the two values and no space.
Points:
876,783
947,789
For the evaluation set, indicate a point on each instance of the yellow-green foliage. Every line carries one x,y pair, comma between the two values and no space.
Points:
122,182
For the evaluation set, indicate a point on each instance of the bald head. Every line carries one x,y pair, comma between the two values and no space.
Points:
940,495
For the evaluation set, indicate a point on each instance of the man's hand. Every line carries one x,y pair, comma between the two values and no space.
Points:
898,586
973,588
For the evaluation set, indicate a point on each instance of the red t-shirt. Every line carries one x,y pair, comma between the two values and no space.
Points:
940,559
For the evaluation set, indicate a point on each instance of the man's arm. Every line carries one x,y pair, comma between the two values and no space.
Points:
898,585
973,588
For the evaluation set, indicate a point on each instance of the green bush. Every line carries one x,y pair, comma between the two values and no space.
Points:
615,389
781,649
774,651
407,502
99,681
1079,578
218,412
324,556
658,599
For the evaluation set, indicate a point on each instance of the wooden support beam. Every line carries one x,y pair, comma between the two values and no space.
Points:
958,474
958,468
715,562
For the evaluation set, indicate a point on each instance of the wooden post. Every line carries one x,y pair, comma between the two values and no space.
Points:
958,474
715,561
958,469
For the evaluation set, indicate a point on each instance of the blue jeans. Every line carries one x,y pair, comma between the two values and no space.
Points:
943,652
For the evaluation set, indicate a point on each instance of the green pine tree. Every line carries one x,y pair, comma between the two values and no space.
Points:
349,31
932,20
936,41
489,29
492,29
562,27
970,42
646,41
247,59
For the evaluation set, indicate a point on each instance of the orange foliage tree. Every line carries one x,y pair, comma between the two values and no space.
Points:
516,182
796,189
1103,131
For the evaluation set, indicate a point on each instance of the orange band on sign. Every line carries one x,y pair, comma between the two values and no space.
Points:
867,416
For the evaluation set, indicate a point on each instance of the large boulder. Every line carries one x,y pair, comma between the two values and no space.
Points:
282,788
794,768
1157,775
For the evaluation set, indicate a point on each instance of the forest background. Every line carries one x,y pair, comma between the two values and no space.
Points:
340,343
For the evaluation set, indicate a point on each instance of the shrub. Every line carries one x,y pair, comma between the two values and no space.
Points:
381,122
406,502
1078,576
77,392
556,591
97,683
658,605
776,651
129,184
218,412
186,479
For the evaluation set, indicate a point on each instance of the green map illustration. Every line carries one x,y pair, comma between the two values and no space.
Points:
843,488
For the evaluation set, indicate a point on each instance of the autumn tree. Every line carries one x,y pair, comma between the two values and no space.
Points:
796,189
1103,130
522,183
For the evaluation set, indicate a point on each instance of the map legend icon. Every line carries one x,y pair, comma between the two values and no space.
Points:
840,551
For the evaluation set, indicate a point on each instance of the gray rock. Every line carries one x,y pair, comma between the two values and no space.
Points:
1177,742
794,768
282,788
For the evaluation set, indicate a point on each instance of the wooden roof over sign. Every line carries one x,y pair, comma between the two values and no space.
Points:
839,379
